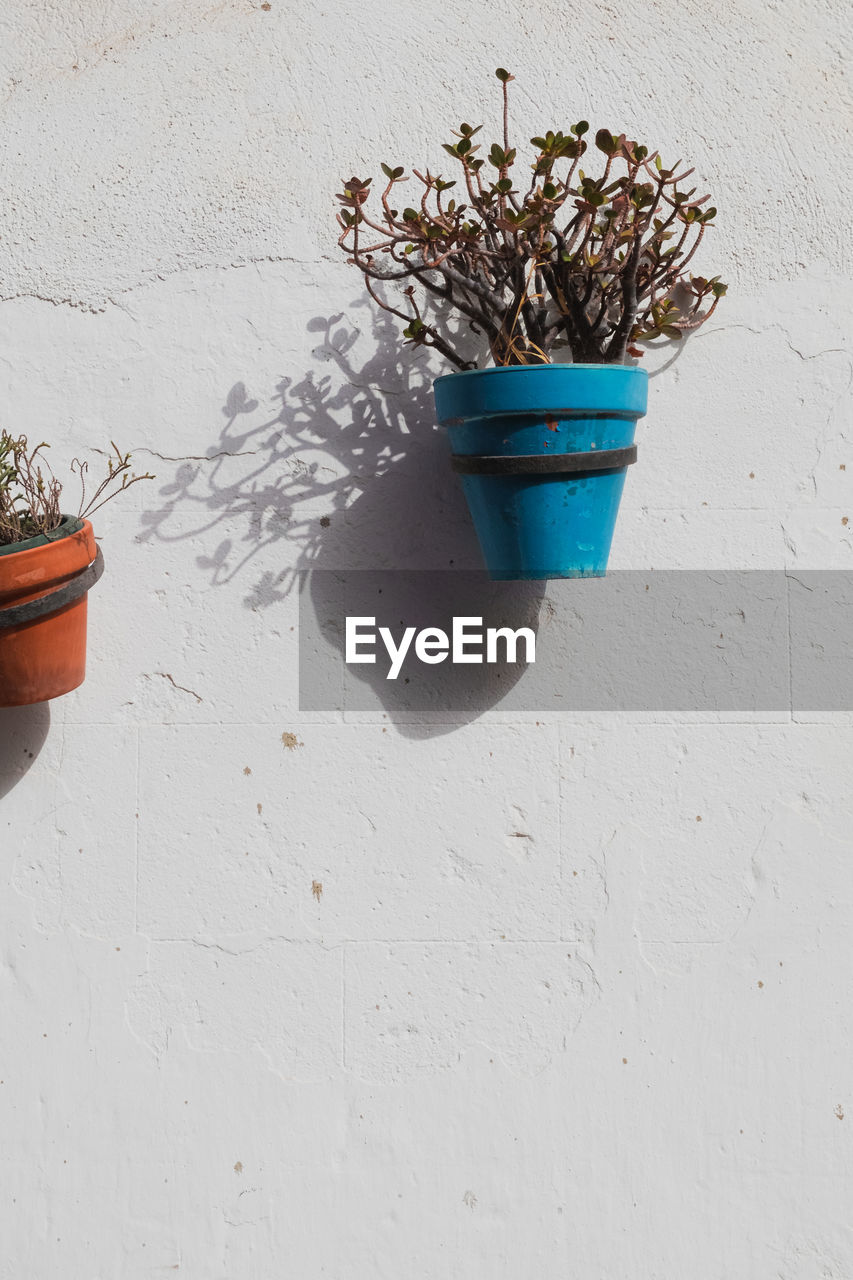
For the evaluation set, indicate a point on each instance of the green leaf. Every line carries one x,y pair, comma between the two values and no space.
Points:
451,149
708,215
719,290
388,171
410,215
581,127
539,142
605,142
503,75
398,172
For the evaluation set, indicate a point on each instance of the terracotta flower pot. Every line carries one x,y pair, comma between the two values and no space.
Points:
44,583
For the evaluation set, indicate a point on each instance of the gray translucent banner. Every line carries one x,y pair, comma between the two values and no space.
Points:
704,640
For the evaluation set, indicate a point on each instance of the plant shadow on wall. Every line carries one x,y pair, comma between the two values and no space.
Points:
348,473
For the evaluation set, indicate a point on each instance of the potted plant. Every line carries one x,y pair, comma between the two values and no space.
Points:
48,562
561,261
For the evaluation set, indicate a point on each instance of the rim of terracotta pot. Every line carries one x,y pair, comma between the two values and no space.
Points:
66,526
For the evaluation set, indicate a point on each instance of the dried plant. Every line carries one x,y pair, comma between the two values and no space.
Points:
30,493
592,264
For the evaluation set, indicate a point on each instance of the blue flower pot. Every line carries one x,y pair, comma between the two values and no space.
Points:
543,451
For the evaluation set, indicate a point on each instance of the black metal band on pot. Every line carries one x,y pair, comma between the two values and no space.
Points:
543,464
16,614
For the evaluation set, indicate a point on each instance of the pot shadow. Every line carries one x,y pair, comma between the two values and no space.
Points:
348,474
23,732
429,697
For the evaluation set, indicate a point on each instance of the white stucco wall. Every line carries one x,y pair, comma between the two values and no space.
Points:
618,1046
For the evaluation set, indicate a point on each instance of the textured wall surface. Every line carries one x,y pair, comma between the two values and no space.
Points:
574,1001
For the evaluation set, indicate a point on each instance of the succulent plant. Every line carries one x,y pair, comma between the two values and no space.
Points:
595,264
30,493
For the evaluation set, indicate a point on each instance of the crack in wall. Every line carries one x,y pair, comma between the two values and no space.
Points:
112,299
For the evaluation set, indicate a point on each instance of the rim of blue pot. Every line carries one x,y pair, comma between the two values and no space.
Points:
539,368
615,390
